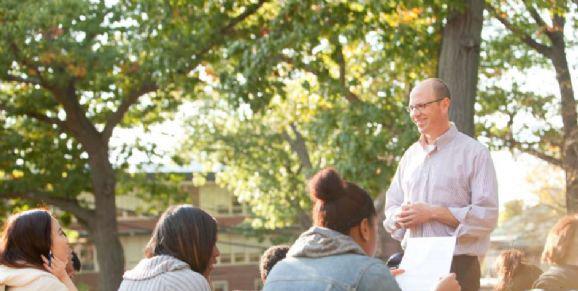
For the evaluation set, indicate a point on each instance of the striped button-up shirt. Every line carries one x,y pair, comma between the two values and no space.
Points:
456,172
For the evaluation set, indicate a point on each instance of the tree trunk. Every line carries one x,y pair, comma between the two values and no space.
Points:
569,120
109,250
459,61
571,169
386,245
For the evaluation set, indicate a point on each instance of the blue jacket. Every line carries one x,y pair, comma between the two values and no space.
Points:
324,259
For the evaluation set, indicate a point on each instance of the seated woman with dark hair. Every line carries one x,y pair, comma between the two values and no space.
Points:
561,253
34,252
336,253
180,254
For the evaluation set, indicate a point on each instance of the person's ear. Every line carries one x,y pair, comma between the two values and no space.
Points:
365,229
447,102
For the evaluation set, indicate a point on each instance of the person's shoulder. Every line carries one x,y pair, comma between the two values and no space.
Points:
46,281
532,268
30,278
411,151
376,276
471,144
413,147
186,277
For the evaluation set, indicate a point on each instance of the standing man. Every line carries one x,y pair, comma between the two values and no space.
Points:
445,185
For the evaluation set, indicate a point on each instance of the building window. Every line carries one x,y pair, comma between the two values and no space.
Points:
220,286
254,257
225,258
237,208
240,258
222,209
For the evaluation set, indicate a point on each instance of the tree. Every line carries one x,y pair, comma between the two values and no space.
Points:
537,34
512,209
459,60
547,183
73,71
324,84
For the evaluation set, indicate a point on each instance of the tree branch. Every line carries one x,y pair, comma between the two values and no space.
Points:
115,118
12,78
46,119
76,121
298,146
36,115
536,16
350,96
25,61
227,29
512,143
71,205
543,156
559,22
523,36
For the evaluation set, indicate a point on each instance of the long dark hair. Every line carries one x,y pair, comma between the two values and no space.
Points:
186,233
25,238
339,204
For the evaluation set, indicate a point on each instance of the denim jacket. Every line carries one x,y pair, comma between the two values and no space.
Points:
324,259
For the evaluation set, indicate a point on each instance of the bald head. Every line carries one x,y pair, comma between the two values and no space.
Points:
429,104
435,86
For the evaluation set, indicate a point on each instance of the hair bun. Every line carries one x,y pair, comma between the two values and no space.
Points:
326,185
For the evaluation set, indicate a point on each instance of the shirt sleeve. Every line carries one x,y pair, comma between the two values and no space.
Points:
479,218
377,278
393,201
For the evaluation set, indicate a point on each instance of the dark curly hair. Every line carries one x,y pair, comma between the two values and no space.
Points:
270,257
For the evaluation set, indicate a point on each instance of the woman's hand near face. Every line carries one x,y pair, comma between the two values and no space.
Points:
58,269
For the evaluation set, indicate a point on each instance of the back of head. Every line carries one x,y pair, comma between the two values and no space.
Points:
272,256
507,265
25,238
338,205
186,233
561,241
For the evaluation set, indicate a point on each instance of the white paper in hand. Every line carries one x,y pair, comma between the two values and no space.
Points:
425,260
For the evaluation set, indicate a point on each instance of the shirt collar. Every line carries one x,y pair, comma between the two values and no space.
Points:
441,141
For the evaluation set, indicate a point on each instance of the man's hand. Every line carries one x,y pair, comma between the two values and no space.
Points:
414,214
448,283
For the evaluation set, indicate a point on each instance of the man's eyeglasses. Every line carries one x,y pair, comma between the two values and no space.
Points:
422,106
